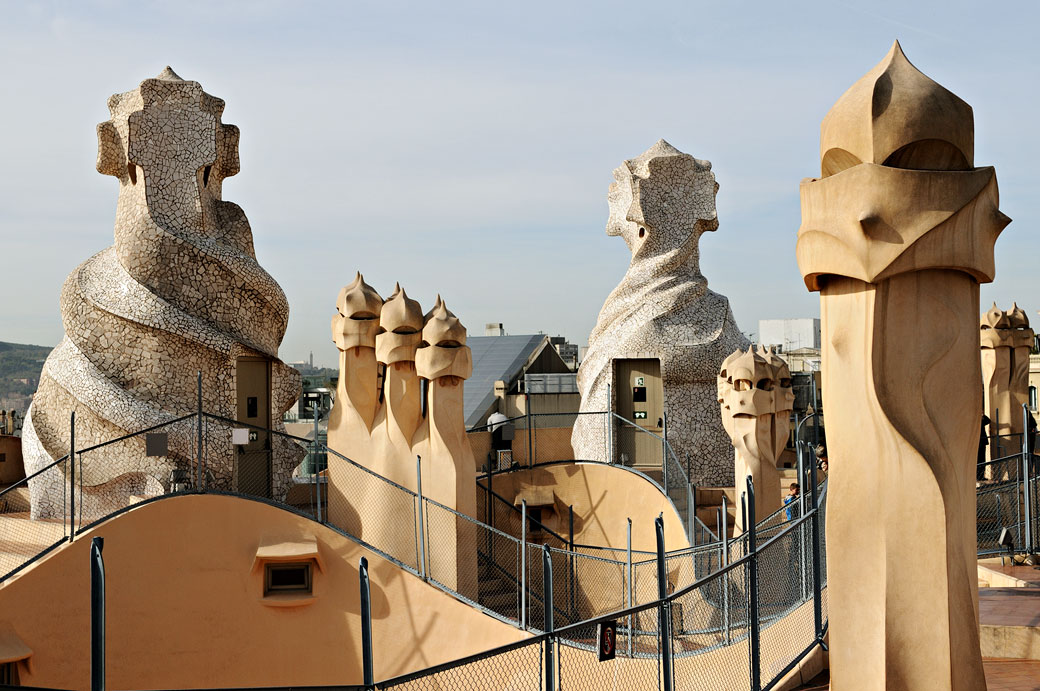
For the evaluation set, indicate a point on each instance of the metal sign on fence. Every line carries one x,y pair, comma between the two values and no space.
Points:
606,635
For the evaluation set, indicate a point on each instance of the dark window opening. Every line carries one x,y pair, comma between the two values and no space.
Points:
3,457
287,578
252,407
639,394
9,674
205,176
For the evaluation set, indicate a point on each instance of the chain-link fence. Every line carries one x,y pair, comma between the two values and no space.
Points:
1006,505
746,626
112,475
544,438
23,538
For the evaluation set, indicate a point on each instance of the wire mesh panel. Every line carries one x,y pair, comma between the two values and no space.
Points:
999,506
595,586
1034,486
551,436
644,581
787,623
517,668
710,633
24,537
636,664
348,498
113,474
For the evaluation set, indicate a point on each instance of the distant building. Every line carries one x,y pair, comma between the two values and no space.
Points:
510,371
494,329
802,359
568,351
789,334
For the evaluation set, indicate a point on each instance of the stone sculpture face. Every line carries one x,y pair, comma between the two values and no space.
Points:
755,413
167,147
660,203
751,386
896,234
399,396
888,148
400,329
651,192
357,320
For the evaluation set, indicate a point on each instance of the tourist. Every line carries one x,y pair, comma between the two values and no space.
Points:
821,459
1031,433
790,501
980,467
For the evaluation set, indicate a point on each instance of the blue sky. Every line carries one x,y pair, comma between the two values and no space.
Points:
466,148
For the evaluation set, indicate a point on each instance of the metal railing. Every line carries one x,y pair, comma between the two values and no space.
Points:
542,438
746,626
1007,520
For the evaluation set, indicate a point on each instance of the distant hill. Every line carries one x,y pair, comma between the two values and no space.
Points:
20,367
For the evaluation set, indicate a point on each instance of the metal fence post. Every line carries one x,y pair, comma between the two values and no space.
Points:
198,415
572,572
628,593
665,626
723,525
97,615
664,449
368,668
744,517
1027,495
547,604
422,523
753,623
530,437
317,470
691,512
817,570
803,461
72,476
610,427
547,589
523,565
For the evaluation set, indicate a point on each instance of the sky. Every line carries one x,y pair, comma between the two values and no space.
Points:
465,148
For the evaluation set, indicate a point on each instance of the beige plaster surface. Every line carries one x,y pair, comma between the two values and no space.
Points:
604,497
896,235
395,365
185,605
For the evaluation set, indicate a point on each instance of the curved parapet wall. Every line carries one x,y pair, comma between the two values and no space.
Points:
180,292
221,604
660,204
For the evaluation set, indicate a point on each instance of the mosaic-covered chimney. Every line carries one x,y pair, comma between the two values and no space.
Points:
661,335
180,292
